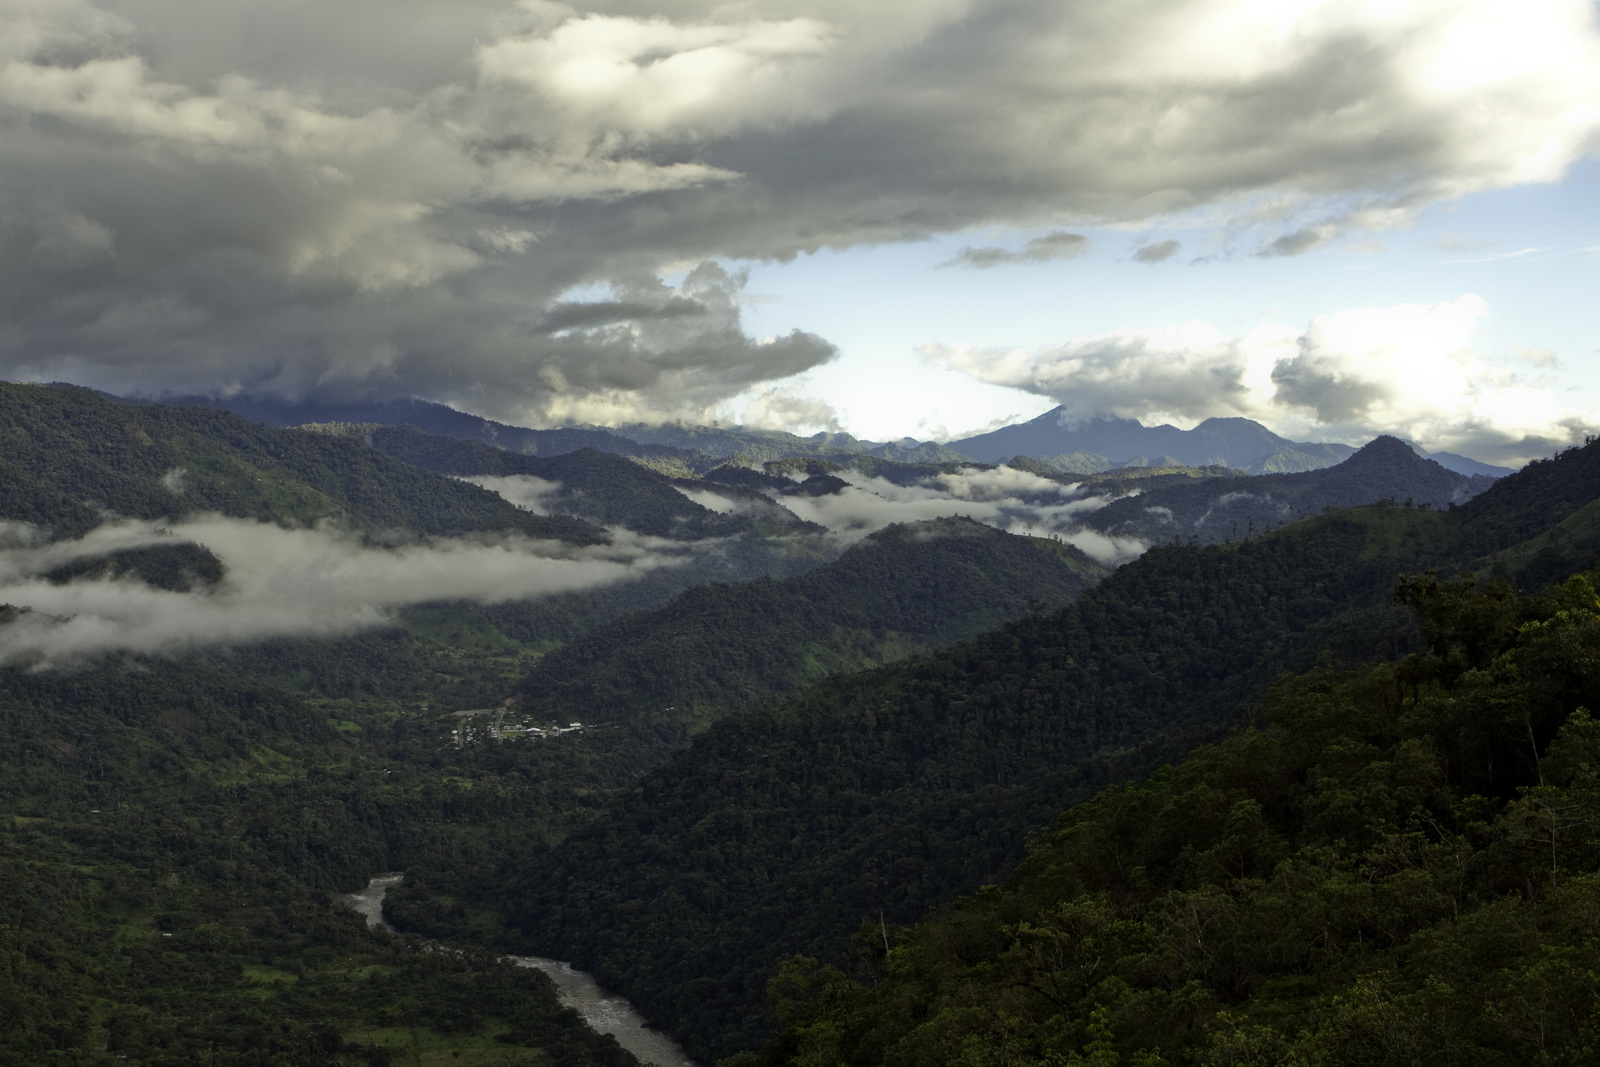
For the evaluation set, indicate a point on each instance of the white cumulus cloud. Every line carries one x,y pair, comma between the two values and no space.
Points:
277,583
296,198
1411,369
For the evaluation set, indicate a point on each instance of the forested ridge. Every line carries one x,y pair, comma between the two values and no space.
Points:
1393,865
890,791
171,829
171,835
719,648
895,789
70,454
1213,510
224,796
601,487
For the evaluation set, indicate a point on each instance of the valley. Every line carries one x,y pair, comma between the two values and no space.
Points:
766,734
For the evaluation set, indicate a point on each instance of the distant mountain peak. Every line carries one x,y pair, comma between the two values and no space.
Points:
1387,449
1224,441
1386,443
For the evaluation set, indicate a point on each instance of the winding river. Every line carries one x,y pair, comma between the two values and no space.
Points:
604,1012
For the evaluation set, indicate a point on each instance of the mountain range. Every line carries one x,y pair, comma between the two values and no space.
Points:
1212,510
1070,445
858,779
1089,446
875,796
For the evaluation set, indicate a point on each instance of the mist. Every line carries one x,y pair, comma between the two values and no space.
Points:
1008,499
278,583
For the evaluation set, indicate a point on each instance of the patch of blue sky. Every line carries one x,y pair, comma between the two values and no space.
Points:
1531,252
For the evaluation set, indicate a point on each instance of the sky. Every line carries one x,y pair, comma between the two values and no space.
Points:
927,218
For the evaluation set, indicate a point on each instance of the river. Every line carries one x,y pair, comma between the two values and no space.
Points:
605,1013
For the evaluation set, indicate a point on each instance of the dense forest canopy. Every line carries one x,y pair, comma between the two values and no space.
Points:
71,454
1333,783
1393,865
890,791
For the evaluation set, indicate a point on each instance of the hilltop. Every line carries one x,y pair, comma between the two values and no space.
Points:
1214,510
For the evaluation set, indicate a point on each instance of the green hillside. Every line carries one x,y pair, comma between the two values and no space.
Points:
891,791
721,648
170,835
1395,861
1222,509
1393,866
71,454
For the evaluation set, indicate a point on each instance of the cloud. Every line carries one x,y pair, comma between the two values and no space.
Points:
278,583
1537,357
1010,500
1521,253
1056,245
786,407
1348,376
326,582
523,490
68,240
1301,241
1157,251
1450,241
1182,373
294,197
569,315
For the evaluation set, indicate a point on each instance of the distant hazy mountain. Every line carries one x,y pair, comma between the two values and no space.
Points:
448,422
598,486
1238,443
756,446
910,450
1090,446
1213,510
1450,461
1085,447
687,448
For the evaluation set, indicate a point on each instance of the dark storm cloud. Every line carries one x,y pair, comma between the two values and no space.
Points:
367,201
569,315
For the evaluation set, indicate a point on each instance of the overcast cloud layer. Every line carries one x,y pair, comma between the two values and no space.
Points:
377,200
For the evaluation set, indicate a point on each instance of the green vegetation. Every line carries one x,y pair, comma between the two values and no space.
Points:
1377,841
171,835
1397,865
221,798
721,648
884,793
177,567
893,790
1216,510
69,454
600,487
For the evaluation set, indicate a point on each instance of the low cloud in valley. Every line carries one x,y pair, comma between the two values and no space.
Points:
278,583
